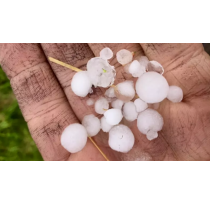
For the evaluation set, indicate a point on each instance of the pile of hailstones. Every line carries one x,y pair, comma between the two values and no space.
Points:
151,88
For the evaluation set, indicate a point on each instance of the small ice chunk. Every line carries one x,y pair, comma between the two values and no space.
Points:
110,92
124,56
152,87
126,68
100,72
140,105
92,124
155,67
74,138
113,116
81,84
101,105
104,125
129,111
106,53
149,120
151,135
175,94
121,138
117,104
143,60
125,91
90,102
136,69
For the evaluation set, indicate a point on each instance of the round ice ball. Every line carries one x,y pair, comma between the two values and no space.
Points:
135,69
155,66
149,120
152,87
90,102
117,104
140,105
81,84
113,116
125,91
110,92
151,135
106,53
124,56
175,94
74,138
121,138
104,125
129,111
101,105
100,72
92,124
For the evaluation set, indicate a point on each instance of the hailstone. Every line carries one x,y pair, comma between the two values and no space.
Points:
100,72
101,105
113,116
117,104
90,102
129,111
143,60
125,91
155,66
175,94
92,124
140,105
106,53
110,92
152,87
136,69
81,84
151,135
121,138
149,121
104,125
74,138
124,56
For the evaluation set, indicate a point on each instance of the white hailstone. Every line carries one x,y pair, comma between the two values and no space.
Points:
74,138
121,138
126,68
149,122
125,91
92,124
124,56
152,87
106,53
81,84
175,94
104,125
100,72
117,104
151,135
113,116
136,69
110,92
143,60
101,105
90,102
140,105
155,66
129,111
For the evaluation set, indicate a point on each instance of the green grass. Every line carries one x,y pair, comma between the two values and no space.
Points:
16,143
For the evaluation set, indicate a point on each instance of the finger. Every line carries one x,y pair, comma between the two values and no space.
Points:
186,65
78,56
41,99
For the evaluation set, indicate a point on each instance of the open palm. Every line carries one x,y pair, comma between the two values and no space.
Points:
43,90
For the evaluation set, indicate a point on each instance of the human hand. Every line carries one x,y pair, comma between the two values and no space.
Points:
48,104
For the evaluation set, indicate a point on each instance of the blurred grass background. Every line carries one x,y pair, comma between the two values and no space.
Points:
16,143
